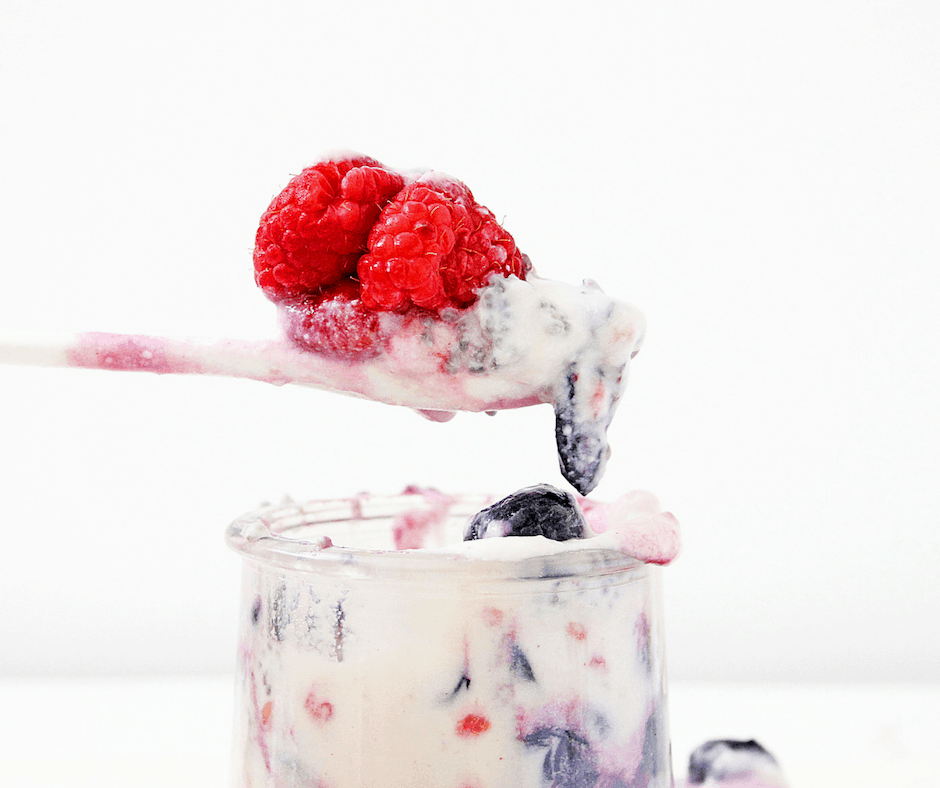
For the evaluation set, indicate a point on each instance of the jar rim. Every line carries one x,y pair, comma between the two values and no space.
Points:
264,537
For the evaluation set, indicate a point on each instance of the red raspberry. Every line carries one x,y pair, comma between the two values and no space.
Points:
333,322
433,247
315,231
266,715
319,710
473,725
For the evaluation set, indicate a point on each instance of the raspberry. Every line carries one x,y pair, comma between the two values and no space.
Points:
314,232
333,322
576,630
266,715
473,725
433,247
319,710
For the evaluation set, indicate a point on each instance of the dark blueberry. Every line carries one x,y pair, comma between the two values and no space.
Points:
569,762
720,759
463,684
256,610
596,725
582,443
519,664
644,641
656,748
541,510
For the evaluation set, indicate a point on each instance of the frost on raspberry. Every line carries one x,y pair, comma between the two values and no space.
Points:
333,322
433,247
314,232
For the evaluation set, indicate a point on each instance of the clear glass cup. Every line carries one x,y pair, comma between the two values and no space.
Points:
363,666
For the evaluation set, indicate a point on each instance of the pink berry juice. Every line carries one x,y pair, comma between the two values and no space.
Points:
378,649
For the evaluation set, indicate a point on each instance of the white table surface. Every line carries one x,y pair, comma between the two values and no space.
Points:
137,733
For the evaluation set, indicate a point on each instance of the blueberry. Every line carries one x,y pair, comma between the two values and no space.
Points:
569,762
655,745
519,664
644,641
463,684
721,759
580,438
541,510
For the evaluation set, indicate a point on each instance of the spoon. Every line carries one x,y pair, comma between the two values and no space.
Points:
528,343
410,380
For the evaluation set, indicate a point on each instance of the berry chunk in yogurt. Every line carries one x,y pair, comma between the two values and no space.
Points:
732,763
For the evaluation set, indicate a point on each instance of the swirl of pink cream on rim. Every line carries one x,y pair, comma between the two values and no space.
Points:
637,524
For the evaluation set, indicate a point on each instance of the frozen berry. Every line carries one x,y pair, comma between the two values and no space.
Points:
266,712
519,664
576,630
723,759
569,762
314,232
319,710
463,684
656,749
541,510
333,322
584,405
433,247
473,725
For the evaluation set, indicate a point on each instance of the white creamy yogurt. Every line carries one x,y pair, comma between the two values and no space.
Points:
502,661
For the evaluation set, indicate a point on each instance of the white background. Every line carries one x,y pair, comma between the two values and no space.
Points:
763,180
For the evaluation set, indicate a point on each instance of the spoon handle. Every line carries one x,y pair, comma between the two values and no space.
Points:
34,349
271,361
410,382
134,353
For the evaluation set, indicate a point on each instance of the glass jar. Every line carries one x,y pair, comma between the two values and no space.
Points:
526,664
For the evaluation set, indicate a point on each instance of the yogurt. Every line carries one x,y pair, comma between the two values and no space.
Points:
502,662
